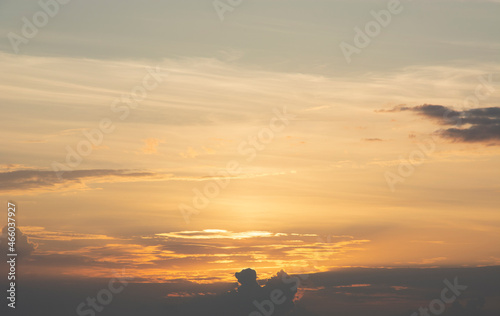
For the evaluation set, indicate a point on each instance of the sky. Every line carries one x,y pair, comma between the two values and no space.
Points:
184,141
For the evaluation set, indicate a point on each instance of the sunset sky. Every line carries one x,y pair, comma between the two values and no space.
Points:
284,154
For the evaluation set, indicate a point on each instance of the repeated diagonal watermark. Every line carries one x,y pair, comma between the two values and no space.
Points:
363,37
96,304
31,26
449,294
222,7
406,167
121,106
248,150
277,296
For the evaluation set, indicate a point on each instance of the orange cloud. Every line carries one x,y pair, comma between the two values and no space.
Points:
151,146
203,256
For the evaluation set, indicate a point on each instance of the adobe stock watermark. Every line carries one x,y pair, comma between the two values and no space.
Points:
363,37
406,167
276,297
95,137
48,10
104,297
248,149
224,6
449,294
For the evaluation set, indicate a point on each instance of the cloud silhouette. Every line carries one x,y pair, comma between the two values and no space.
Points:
473,125
342,292
23,246
275,298
471,307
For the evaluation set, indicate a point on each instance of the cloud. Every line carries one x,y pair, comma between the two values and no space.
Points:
189,153
23,181
473,134
249,298
187,294
473,125
398,291
216,234
391,292
41,233
151,146
427,261
26,180
23,246
205,256
13,166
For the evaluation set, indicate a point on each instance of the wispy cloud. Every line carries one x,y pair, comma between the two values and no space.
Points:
41,233
216,234
151,146
26,181
31,181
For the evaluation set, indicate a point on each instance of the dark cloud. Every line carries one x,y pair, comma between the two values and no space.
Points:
249,298
64,260
32,180
475,133
28,179
23,246
247,278
473,125
373,140
472,307
400,291
344,292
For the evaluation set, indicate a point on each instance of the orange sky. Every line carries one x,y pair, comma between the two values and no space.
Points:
322,171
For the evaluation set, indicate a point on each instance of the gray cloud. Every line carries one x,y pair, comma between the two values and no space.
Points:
474,125
23,246
385,292
48,180
24,180
475,133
